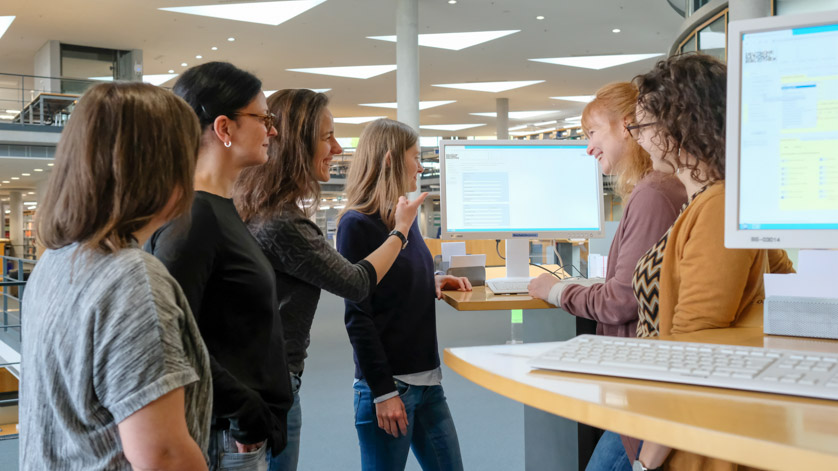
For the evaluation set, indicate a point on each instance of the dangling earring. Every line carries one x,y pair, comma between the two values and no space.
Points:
228,144
678,169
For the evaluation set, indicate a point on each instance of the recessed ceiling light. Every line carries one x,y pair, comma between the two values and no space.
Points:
454,41
214,48
358,119
523,126
6,181
450,127
545,123
597,62
31,193
539,17
25,174
12,111
15,178
199,57
39,170
320,90
493,87
266,13
574,118
518,114
50,164
452,2
5,22
576,98
359,72
423,105
615,30
184,64
231,39
171,71
268,92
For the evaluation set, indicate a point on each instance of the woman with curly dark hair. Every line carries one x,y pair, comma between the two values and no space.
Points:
689,281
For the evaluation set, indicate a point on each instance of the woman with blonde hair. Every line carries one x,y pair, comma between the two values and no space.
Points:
276,201
399,401
115,374
652,201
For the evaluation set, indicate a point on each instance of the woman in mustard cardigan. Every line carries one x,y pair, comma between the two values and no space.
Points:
689,281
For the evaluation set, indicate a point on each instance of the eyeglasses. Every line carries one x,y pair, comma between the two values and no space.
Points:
269,120
634,129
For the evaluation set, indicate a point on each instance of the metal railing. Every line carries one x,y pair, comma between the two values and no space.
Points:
12,284
39,100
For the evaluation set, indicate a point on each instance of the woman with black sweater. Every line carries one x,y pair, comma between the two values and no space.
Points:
227,279
399,401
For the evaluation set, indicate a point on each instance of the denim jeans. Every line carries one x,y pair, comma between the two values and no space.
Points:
609,455
430,431
287,460
224,456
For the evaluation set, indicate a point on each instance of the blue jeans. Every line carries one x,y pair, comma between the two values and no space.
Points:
609,455
430,431
287,460
224,456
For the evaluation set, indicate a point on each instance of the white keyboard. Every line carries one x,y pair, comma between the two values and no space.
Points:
508,285
749,368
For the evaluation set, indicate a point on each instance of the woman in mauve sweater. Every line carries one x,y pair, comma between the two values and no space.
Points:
653,200
689,281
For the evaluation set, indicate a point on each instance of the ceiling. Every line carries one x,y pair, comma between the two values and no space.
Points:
335,32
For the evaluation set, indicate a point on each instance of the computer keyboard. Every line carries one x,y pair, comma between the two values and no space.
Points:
768,370
508,285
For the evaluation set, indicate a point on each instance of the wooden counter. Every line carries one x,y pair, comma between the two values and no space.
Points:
768,431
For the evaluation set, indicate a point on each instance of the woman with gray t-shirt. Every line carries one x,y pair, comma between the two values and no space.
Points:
110,348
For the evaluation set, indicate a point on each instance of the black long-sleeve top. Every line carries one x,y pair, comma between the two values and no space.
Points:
393,332
304,263
231,289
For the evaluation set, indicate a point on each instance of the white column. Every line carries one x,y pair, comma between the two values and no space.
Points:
16,222
47,63
747,9
502,107
407,60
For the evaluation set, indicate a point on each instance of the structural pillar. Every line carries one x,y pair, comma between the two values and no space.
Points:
502,107
747,9
407,72
16,222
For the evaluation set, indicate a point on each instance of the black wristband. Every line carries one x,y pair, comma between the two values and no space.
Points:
401,236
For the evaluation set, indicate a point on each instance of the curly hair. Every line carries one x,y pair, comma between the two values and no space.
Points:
685,95
617,102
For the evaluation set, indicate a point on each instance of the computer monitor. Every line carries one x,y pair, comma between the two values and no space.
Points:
519,190
782,132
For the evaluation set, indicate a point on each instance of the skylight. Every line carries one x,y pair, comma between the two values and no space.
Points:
423,105
266,13
358,119
493,87
359,72
518,114
154,79
5,22
597,62
454,41
450,127
576,98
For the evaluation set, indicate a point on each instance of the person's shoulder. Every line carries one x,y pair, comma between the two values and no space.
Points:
665,184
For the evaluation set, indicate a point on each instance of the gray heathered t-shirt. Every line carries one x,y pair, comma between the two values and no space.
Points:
103,336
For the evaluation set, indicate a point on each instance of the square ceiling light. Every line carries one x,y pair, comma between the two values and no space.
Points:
5,22
492,87
450,127
154,79
359,72
266,13
597,62
357,119
576,98
453,41
519,114
423,105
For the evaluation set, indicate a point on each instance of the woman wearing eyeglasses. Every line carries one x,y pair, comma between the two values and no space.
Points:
227,279
688,281
652,201
276,200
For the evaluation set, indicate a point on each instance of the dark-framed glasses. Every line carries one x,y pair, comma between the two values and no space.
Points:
634,129
269,120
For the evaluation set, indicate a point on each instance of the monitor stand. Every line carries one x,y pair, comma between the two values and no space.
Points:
517,259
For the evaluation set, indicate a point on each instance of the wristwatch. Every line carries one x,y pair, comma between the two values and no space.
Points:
401,236
638,466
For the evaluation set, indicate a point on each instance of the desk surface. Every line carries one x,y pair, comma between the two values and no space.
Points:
768,431
483,299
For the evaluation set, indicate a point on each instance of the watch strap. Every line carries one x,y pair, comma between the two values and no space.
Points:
401,236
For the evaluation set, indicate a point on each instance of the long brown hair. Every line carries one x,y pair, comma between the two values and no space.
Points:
686,96
123,154
617,102
287,179
378,174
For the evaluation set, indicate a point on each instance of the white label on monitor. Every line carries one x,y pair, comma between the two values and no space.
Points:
789,129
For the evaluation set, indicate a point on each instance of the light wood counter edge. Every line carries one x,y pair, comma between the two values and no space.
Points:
8,429
726,446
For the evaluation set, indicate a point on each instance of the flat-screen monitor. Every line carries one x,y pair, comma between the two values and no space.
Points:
782,132
519,190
